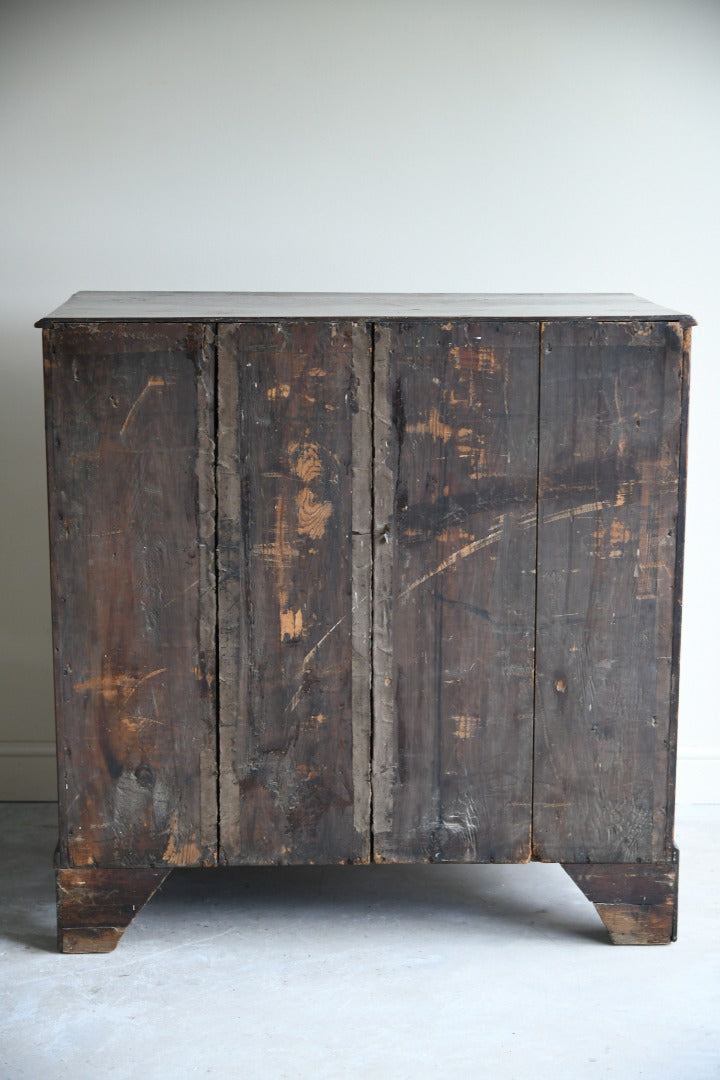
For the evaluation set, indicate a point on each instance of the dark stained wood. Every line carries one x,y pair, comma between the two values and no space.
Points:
294,496
230,307
380,462
678,592
610,447
95,907
454,594
637,902
131,502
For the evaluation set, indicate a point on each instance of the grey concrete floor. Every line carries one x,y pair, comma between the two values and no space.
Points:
399,972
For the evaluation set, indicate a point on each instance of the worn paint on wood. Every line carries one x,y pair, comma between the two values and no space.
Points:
636,902
608,567
294,491
454,593
456,414
95,907
131,499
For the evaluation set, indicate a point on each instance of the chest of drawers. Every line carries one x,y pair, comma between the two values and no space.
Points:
349,578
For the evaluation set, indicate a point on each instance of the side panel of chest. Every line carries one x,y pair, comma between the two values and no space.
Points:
131,500
294,591
456,412
610,493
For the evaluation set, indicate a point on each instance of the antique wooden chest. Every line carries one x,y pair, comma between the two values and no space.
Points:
350,578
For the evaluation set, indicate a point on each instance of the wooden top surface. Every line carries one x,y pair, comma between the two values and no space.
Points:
235,306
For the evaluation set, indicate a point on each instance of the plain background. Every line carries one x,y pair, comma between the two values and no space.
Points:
407,146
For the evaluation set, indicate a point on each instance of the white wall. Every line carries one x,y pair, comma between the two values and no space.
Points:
510,146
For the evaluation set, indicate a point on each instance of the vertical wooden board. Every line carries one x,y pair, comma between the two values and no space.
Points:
454,589
609,452
130,419
294,497
672,736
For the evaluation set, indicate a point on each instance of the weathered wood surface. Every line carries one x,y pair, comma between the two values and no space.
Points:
672,738
231,306
95,907
636,902
446,521
294,566
454,589
610,447
131,503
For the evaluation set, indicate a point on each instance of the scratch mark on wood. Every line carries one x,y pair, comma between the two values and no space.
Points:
113,687
153,382
136,723
525,522
462,553
576,511
174,599
315,649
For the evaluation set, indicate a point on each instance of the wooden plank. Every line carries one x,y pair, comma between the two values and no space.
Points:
96,906
233,306
636,902
131,500
294,496
454,589
610,445
678,592
361,612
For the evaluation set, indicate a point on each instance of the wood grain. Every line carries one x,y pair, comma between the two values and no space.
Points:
636,902
95,907
131,503
376,520
214,307
454,589
672,738
294,493
610,448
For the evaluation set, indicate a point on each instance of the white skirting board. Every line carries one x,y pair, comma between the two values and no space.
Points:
27,774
